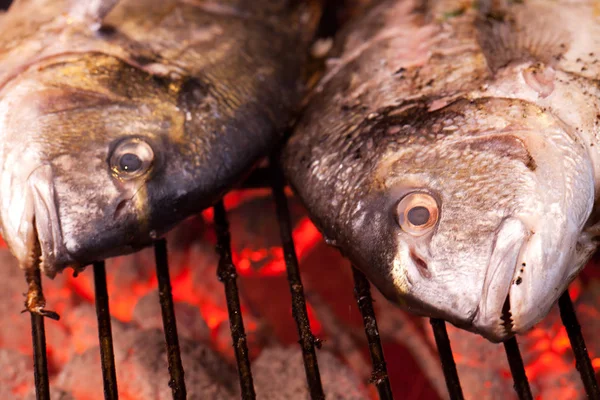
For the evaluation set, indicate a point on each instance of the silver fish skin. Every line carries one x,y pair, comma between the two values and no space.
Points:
452,154
118,119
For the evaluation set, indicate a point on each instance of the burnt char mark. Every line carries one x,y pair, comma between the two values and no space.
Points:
192,94
414,113
531,163
107,31
518,281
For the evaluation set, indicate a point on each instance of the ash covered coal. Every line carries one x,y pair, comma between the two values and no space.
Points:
279,375
141,359
55,394
190,324
205,337
16,374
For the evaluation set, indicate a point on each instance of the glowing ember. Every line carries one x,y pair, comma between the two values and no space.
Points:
203,322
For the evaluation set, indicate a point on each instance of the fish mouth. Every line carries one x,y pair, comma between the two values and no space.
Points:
493,318
47,234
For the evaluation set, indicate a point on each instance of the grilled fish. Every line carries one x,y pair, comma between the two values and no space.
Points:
452,153
120,119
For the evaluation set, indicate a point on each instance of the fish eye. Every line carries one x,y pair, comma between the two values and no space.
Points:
131,158
417,213
129,162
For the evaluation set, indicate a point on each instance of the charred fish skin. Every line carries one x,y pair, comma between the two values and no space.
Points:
118,119
451,153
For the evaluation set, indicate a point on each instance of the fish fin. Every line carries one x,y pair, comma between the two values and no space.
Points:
515,33
91,12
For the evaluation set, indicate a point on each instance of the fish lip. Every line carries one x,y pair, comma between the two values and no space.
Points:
542,280
489,317
46,220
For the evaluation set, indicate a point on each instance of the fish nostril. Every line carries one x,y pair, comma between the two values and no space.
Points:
120,208
421,265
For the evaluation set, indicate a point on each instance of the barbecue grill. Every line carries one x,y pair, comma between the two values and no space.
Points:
264,178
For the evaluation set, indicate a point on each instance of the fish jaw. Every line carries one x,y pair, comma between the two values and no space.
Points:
482,310
492,319
541,278
30,223
526,276
47,224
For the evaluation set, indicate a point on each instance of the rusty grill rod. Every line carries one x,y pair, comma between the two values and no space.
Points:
517,369
107,355
447,358
362,292
227,274
40,358
177,381
582,358
307,339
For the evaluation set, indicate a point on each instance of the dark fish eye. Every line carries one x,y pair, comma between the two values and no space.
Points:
129,162
418,215
131,158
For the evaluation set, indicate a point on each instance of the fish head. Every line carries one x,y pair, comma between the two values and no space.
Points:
476,212
95,161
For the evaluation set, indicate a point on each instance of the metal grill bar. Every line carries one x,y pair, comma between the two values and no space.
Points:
38,336
448,365
582,358
307,339
228,275
517,369
107,355
362,292
177,382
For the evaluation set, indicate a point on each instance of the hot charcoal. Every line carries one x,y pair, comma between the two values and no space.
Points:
205,336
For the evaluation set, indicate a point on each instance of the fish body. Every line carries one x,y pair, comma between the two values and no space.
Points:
451,152
118,119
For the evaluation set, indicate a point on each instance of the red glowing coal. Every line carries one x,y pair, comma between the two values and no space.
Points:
203,324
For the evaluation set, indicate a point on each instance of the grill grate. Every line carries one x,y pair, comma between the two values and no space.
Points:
582,358
517,369
107,355
177,382
228,275
40,357
448,365
379,376
307,340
